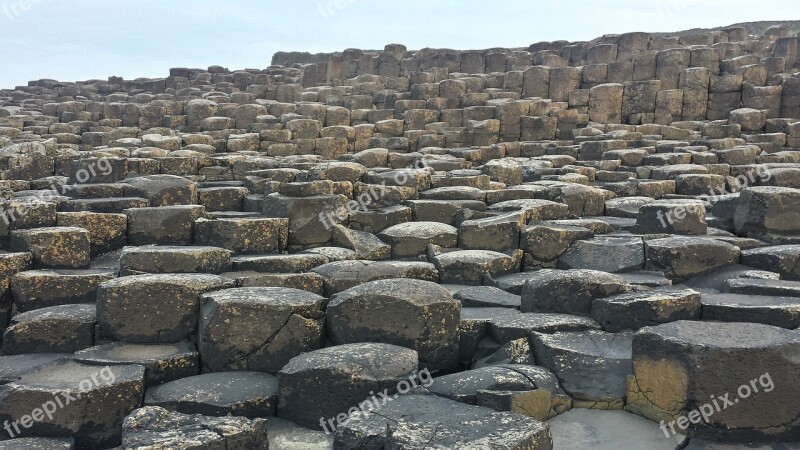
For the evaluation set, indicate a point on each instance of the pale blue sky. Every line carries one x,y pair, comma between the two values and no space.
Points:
82,39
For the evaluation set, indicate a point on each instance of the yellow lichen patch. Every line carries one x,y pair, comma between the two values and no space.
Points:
658,389
534,404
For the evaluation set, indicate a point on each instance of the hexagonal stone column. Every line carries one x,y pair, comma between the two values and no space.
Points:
411,239
54,247
154,427
57,329
414,421
245,236
35,289
729,381
767,210
173,259
593,366
328,383
163,362
164,225
605,254
162,190
473,267
411,313
259,329
248,394
687,257
150,309
67,398
784,259
635,310
569,291
687,217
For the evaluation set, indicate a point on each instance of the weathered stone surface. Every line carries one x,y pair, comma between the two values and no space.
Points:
605,254
154,427
685,257
781,312
244,236
54,248
767,210
636,310
164,225
100,398
171,259
593,366
55,329
410,313
465,427
569,291
411,239
783,259
518,326
249,394
35,289
342,275
162,362
162,190
171,304
486,297
678,366
258,328
609,430
324,384
473,267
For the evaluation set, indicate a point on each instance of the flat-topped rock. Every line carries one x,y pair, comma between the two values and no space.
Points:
248,394
99,400
162,362
569,291
781,312
258,328
678,366
609,430
172,259
464,426
592,366
171,303
410,313
686,257
35,289
342,275
411,239
635,310
155,427
55,329
324,384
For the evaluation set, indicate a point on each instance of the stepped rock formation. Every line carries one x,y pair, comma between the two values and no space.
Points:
569,245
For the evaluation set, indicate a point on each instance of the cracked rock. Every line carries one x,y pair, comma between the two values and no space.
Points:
259,328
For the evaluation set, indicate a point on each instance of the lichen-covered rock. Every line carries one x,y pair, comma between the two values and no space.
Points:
329,383
409,313
685,366
154,427
170,302
259,328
